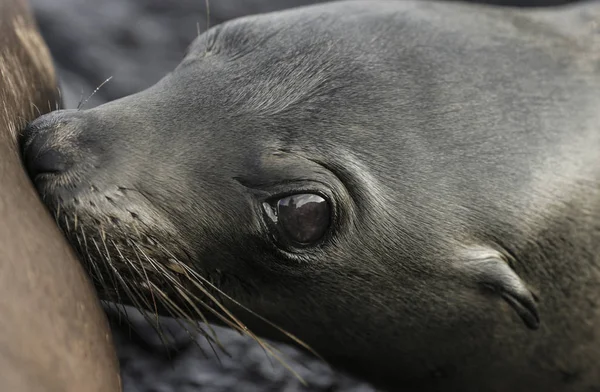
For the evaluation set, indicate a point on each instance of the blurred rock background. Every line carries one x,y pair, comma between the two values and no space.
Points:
137,42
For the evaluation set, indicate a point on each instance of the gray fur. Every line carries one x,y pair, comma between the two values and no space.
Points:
458,144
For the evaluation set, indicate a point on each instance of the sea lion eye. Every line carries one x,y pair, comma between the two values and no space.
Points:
302,218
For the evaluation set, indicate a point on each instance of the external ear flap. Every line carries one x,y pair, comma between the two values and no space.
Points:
492,272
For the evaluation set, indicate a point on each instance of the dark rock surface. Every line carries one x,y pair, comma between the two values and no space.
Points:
147,365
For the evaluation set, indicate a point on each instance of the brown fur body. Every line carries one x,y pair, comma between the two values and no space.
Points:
53,335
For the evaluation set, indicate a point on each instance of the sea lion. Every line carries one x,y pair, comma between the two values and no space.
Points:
53,334
409,188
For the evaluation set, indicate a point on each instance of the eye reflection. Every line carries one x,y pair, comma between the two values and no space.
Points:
303,218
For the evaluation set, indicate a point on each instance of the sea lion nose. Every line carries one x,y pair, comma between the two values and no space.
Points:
41,159
39,152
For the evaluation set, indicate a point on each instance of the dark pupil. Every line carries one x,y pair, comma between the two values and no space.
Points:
303,217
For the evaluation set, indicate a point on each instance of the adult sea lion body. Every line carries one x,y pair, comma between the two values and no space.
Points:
53,334
410,188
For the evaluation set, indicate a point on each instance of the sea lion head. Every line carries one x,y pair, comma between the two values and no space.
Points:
281,173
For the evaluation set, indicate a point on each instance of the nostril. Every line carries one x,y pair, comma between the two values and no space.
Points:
40,158
47,144
48,162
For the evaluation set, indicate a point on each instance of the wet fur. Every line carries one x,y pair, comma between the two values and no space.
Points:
53,336
26,69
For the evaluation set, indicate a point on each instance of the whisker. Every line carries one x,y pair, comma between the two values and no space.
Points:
121,313
157,328
168,284
164,273
67,225
82,103
186,297
92,262
80,99
131,266
169,303
264,345
214,336
110,269
207,3
39,112
198,276
57,214
149,285
241,326
289,335
87,265
56,103
182,290
186,294
133,294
